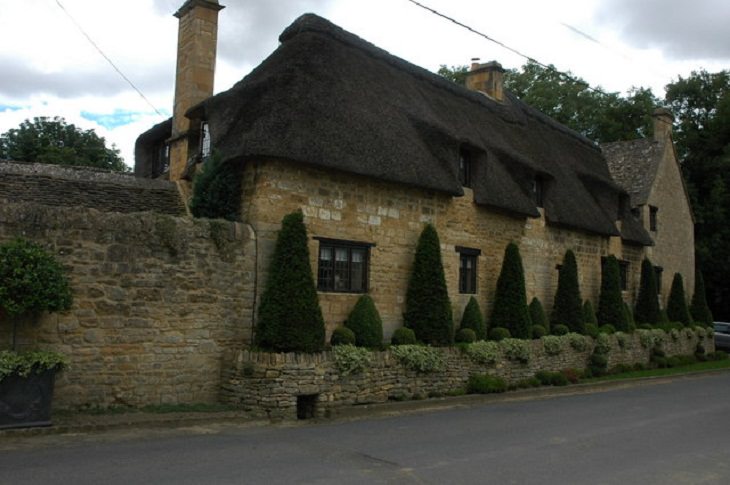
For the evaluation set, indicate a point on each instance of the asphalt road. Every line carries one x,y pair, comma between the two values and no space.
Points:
659,433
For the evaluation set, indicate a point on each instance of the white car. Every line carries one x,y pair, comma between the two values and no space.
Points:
722,335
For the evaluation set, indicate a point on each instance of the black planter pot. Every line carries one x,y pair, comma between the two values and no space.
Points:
26,401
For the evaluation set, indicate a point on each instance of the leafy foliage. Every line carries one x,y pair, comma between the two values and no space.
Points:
499,333
568,308
364,320
610,303
22,364
419,358
403,336
647,303
677,309
342,336
473,319
510,300
589,314
53,141
537,331
516,349
290,318
350,359
699,310
577,341
465,336
428,310
485,384
552,344
483,352
217,190
560,329
537,314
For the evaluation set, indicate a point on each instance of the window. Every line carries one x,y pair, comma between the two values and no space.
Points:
468,269
465,168
538,192
658,271
204,141
652,218
343,266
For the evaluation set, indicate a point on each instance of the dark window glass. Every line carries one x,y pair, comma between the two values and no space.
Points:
658,271
465,168
652,218
467,273
205,148
342,268
538,192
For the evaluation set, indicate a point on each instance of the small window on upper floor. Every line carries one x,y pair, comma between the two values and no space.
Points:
468,269
465,167
205,147
653,218
538,192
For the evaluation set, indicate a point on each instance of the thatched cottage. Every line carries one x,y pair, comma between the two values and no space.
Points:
371,147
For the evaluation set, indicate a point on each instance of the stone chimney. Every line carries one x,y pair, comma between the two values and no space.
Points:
196,51
486,78
663,120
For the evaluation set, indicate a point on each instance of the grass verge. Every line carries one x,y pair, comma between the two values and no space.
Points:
686,369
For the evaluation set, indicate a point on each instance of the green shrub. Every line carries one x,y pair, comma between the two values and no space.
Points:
474,320
577,341
547,378
290,319
718,355
663,317
485,384
568,307
589,314
610,303
350,359
510,300
701,352
403,336
544,377
608,328
571,375
538,331
516,349
592,330
342,336
217,190
498,334
646,338
465,336
602,344
598,364
629,317
646,326
364,320
25,363
647,303
560,329
622,339
428,310
677,309
537,314
552,344
483,352
699,309
31,282
419,358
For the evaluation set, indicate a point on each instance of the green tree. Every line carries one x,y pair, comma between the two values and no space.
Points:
510,300
610,303
677,310
568,308
53,141
31,282
537,314
365,322
647,302
428,310
456,74
473,319
589,315
217,190
290,319
699,310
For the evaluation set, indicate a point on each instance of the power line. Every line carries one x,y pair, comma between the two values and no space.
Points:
91,41
505,46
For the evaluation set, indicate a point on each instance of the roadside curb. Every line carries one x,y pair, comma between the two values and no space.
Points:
133,420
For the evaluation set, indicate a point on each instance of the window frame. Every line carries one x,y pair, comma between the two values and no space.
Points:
538,192
468,286
653,224
328,283
658,273
465,167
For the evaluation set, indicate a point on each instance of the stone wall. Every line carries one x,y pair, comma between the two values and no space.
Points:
158,302
390,216
270,384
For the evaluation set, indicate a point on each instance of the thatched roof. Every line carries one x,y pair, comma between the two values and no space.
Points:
328,98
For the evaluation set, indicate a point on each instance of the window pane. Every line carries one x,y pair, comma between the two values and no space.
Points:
324,274
342,276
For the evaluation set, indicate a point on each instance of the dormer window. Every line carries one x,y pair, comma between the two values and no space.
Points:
205,149
538,192
465,162
653,218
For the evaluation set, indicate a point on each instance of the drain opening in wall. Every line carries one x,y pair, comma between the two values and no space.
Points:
307,406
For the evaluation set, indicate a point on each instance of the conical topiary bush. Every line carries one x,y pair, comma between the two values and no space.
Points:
510,300
568,307
677,310
610,303
699,309
589,315
473,319
647,303
365,322
537,314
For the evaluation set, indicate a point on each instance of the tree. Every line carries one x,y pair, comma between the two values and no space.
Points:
589,315
510,300
53,141
610,303
677,310
365,322
455,74
473,319
647,302
290,318
428,310
568,308
217,190
537,314
699,310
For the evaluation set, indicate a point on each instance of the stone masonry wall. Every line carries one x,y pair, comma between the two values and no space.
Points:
269,384
349,207
158,303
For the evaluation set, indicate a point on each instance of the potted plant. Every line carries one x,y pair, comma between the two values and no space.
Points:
31,282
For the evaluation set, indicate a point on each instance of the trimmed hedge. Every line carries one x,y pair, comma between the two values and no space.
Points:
537,314
342,336
699,309
290,319
510,300
677,310
647,303
568,308
610,303
217,190
365,322
473,319
589,314
403,336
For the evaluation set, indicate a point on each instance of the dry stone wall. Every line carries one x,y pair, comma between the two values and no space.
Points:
271,384
158,302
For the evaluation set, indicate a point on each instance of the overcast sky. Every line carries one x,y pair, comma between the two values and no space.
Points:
49,68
